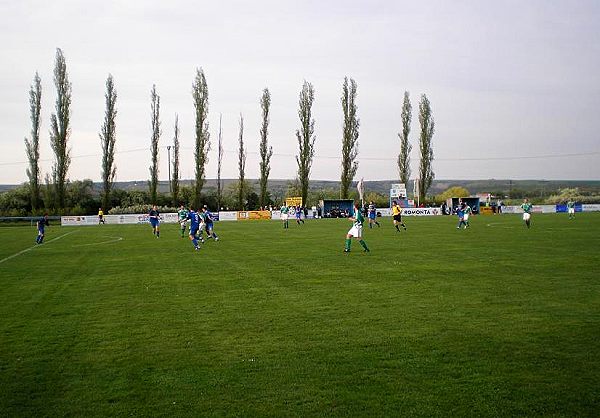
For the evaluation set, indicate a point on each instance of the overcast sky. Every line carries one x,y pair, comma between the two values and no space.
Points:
506,80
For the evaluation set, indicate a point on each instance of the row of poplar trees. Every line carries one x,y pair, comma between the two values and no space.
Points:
60,132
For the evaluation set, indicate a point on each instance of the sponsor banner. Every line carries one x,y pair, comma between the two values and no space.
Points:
293,201
421,211
125,219
384,211
589,208
276,215
228,216
564,209
512,209
253,215
486,210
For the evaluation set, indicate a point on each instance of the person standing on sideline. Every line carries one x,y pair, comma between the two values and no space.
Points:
571,209
527,207
100,216
42,223
154,217
397,216
356,230
285,216
372,213
182,215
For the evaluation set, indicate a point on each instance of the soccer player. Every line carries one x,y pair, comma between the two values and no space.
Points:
571,209
154,217
467,214
285,216
194,219
372,213
41,224
460,212
100,216
208,220
356,231
527,207
397,216
299,215
182,215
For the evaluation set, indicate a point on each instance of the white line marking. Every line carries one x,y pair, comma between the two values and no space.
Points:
31,248
114,239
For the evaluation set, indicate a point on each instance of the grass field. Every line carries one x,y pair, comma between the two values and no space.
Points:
495,320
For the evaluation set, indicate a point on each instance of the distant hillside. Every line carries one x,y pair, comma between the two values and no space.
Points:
278,187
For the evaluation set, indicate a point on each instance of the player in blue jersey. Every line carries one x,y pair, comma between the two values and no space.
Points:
194,218
154,218
460,212
208,219
372,213
299,215
42,223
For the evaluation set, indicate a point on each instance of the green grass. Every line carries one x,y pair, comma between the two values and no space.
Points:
496,320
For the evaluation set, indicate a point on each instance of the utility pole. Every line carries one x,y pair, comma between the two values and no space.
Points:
169,159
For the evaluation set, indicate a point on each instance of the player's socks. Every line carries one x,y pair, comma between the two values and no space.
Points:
37,239
364,245
348,244
195,242
377,223
404,226
397,229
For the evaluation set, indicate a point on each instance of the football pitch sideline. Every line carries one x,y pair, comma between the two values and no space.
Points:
493,320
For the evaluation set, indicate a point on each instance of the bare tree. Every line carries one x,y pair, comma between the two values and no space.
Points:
306,137
241,166
60,129
265,150
175,180
32,147
200,95
349,136
219,161
426,174
107,141
155,106
405,146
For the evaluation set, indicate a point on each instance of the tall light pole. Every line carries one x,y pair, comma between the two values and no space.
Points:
169,158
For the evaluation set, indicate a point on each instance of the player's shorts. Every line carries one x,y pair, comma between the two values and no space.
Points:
372,215
284,216
41,231
571,211
398,217
183,223
466,217
526,216
356,231
193,230
154,222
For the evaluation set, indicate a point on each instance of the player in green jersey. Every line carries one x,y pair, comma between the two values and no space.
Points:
285,216
182,215
571,209
527,207
467,211
356,230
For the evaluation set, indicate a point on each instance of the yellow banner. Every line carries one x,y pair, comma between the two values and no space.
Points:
293,201
486,210
253,215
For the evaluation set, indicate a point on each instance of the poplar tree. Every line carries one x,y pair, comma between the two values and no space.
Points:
405,146
175,180
60,129
266,151
32,147
349,136
107,141
241,166
426,174
200,95
155,106
219,161
306,137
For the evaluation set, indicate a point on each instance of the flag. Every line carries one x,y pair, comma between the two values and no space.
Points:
360,186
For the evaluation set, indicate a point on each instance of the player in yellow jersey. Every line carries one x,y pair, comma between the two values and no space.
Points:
397,216
100,216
